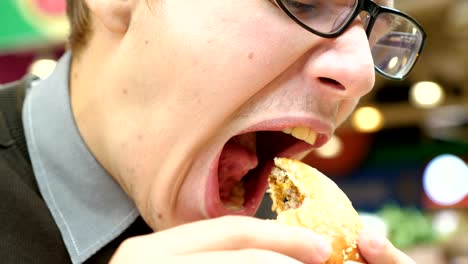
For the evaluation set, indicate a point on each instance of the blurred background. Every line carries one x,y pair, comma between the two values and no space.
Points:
401,158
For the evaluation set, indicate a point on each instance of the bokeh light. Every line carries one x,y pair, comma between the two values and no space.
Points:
367,119
42,68
426,94
445,180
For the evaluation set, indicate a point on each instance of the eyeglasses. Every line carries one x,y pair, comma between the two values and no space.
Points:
396,40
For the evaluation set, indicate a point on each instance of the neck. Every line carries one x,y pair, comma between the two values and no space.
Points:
88,102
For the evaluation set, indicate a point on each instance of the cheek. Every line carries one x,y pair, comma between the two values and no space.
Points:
220,56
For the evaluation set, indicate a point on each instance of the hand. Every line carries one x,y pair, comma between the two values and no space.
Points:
230,239
377,249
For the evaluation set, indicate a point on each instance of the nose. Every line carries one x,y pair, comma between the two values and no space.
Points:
344,65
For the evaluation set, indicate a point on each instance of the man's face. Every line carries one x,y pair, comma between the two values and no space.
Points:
205,89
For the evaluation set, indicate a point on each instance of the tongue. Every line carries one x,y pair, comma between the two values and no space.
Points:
234,163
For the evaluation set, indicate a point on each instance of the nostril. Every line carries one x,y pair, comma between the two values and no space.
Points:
332,82
328,80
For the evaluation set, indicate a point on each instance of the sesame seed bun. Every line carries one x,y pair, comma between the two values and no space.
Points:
303,196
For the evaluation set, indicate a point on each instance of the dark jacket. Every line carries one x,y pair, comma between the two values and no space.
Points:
28,233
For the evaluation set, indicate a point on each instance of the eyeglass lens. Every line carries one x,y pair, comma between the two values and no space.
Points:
324,16
394,39
395,42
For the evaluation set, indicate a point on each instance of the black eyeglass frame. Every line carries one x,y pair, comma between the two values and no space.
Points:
373,10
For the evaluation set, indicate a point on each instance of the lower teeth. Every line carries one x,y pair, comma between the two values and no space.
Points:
236,199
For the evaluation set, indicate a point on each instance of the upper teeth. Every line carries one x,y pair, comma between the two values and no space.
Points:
302,133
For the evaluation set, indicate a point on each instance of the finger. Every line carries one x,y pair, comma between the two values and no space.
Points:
235,233
377,249
246,256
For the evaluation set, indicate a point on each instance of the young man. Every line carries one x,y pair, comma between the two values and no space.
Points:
165,116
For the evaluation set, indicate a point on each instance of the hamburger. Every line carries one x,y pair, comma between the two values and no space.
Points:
303,196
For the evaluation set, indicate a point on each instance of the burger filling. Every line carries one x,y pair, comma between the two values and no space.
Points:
285,194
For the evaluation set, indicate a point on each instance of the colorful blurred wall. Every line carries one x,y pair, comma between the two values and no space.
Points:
31,29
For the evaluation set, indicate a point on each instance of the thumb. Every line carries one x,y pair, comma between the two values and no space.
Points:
378,249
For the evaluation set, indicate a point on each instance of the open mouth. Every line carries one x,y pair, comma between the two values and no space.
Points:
245,162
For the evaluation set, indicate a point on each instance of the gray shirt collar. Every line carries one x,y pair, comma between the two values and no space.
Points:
88,206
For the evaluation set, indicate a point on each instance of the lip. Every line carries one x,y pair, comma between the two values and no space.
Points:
214,206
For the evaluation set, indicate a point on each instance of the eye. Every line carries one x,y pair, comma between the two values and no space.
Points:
302,6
